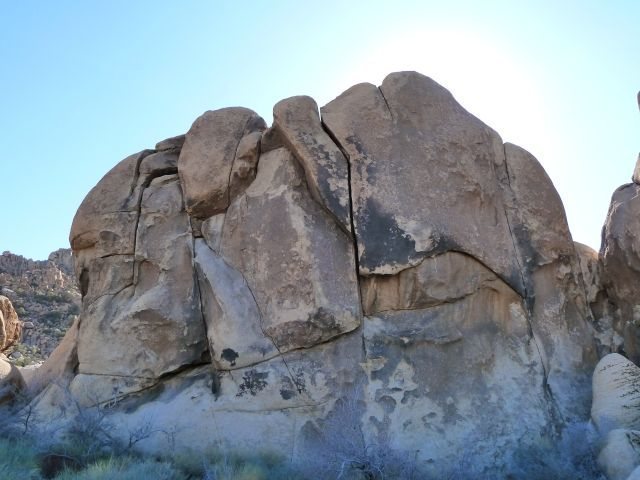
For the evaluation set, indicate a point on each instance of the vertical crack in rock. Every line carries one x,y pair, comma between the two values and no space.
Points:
215,379
354,238
266,335
134,184
385,101
233,162
529,298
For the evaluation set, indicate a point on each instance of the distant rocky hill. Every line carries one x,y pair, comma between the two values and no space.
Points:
46,298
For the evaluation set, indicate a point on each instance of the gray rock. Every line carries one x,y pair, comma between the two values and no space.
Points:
620,259
173,143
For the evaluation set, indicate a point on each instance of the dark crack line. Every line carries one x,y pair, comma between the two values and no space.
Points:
386,102
266,335
529,300
196,280
354,236
94,300
233,162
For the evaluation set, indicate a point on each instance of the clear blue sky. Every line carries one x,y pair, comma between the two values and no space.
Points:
84,84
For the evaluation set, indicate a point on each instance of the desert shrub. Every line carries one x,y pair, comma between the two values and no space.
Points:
18,460
338,449
125,468
220,464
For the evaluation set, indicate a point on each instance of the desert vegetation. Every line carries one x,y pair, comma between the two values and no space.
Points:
86,448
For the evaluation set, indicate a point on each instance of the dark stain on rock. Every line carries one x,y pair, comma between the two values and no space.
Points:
388,404
216,387
386,243
230,356
252,383
287,394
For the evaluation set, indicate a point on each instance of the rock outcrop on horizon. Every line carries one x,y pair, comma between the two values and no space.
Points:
46,300
385,263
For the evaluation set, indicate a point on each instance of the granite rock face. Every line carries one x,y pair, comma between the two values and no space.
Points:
387,269
10,325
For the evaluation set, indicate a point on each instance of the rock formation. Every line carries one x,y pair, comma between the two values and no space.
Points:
10,325
45,297
386,262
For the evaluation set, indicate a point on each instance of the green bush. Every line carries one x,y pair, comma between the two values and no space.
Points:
18,460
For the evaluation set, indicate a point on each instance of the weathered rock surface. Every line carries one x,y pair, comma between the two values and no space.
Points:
10,325
298,264
620,257
388,274
326,169
153,324
208,156
606,322
11,381
616,394
551,277
410,143
621,454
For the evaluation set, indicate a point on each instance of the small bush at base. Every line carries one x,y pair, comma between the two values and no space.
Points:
125,468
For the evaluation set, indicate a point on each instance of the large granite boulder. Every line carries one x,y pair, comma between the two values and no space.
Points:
386,274
620,257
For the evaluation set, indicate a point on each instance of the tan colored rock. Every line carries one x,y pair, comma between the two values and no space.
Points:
296,261
620,259
228,304
244,166
154,325
410,143
11,382
106,218
621,454
10,325
441,279
208,156
326,169
616,394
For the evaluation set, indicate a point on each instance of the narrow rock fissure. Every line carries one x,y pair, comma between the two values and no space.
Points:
110,294
233,162
266,335
214,373
354,237
386,102
513,240
529,301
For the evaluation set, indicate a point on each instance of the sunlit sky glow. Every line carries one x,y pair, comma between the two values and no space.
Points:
84,84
